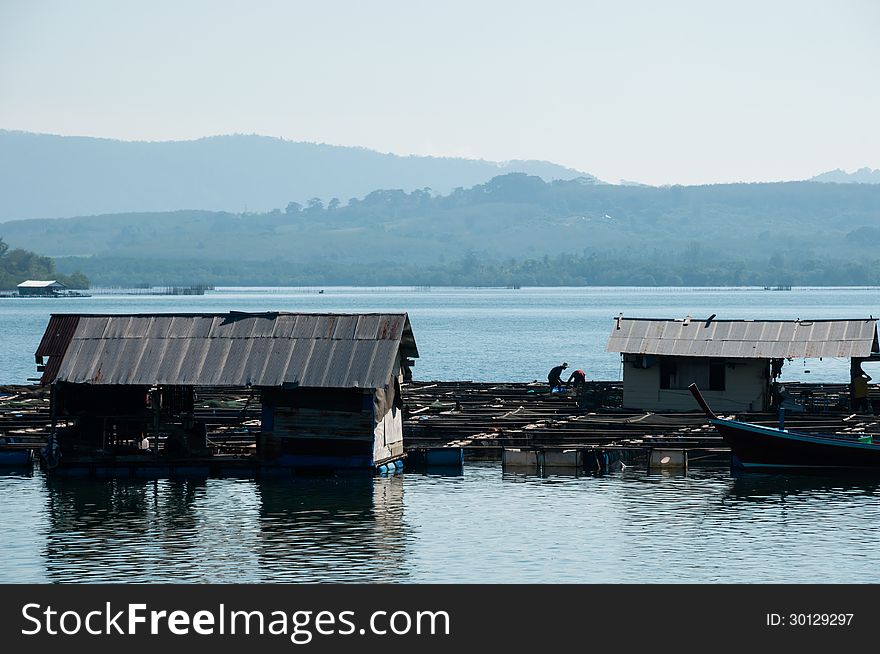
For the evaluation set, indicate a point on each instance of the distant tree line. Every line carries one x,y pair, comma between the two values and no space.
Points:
585,269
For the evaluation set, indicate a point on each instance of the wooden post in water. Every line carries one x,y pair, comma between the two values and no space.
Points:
52,408
155,397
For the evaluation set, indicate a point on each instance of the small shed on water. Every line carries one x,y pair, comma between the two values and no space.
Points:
329,383
39,288
730,360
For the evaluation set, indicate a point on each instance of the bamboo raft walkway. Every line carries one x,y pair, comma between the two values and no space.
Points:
484,418
488,417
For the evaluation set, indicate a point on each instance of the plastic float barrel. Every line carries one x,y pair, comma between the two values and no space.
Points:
666,459
563,459
515,457
445,456
21,457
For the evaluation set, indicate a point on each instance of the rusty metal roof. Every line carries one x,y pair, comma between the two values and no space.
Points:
746,339
232,349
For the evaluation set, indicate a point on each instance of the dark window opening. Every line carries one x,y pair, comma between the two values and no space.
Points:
668,371
717,375
679,373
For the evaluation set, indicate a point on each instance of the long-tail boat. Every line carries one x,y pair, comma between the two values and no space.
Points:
757,446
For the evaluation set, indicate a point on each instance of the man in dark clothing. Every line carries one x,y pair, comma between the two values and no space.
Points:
555,376
578,378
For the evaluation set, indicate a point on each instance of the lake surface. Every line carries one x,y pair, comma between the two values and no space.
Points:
475,334
486,525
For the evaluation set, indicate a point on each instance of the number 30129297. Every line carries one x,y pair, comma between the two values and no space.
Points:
810,619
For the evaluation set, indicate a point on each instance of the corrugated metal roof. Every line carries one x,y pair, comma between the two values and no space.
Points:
35,283
745,339
54,343
234,349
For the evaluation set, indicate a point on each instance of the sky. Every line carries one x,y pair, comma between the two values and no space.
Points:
667,92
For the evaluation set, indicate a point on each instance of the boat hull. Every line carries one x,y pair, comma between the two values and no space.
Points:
755,446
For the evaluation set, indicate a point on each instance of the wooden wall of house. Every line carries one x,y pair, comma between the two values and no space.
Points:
746,387
388,443
388,415
314,424
318,424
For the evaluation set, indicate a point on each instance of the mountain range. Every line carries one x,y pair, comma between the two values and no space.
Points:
860,176
49,176
253,210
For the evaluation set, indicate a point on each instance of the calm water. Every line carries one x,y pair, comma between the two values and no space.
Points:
476,334
485,525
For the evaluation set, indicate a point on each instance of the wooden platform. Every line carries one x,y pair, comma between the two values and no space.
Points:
500,415
483,418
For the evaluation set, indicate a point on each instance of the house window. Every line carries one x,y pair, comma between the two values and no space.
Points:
717,375
679,373
668,376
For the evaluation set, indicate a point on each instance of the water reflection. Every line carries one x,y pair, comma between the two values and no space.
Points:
445,471
17,471
667,473
756,486
119,529
488,525
525,473
213,530
332,529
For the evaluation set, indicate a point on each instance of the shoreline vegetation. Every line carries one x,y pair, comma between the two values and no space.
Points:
515,230
18,265
561,270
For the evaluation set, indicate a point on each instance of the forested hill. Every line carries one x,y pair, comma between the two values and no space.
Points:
46,176
513,229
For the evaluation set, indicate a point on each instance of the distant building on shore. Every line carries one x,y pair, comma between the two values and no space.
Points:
40,288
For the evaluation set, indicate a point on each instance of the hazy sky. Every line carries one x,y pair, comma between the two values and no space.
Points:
658,92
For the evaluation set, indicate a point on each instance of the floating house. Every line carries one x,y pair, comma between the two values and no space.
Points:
729,360
329,384
37,288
